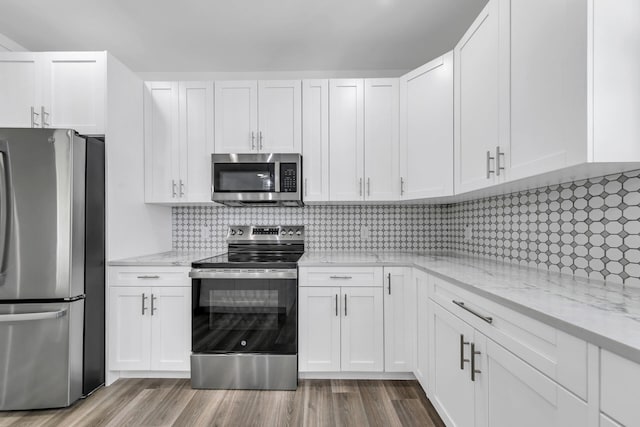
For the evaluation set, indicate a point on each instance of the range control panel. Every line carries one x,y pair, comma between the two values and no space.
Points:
267,233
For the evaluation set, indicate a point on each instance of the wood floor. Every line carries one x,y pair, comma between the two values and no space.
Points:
172,402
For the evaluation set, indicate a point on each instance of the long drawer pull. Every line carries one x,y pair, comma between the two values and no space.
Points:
487,319
155,276
340,277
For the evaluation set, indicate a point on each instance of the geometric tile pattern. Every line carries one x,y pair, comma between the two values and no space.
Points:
589,228
336,228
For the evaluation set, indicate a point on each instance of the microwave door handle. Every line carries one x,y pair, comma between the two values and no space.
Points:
276,175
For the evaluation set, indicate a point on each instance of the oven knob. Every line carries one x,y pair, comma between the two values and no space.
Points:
290,232
243,343
298,233
240,232
283,232
233,232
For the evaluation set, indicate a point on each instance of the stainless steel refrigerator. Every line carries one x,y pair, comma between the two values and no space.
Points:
52,195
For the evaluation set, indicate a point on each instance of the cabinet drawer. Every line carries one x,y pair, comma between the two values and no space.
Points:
149,276
619,388
560,356
341,276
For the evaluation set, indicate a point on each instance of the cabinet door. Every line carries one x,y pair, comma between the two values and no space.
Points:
74,91
20,89
315,134
548,80
477,120
381,134
422,354
346,140
399,320
514,393
196,139
362,329
170,328
161,136
236,117
319,322
280,116
426,130
452,391
129,328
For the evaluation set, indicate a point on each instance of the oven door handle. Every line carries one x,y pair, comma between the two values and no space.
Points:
248,274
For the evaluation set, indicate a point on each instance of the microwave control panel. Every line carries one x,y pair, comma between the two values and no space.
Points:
288,177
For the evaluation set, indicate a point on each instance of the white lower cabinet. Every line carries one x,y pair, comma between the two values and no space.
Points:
341,320
149,328
399,319
477,382
421,368
319,329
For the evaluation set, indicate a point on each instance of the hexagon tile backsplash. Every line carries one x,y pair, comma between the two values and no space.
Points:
589,228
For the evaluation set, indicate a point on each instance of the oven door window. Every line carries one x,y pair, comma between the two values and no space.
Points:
245,315
244,177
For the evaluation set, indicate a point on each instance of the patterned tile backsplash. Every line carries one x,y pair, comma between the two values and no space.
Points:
336,228
590,228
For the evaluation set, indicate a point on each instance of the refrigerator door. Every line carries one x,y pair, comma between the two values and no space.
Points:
42,190
41,355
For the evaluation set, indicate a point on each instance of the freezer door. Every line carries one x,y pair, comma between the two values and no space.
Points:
40,355
42,191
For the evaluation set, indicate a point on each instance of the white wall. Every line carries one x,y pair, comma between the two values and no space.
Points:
8,45
133,227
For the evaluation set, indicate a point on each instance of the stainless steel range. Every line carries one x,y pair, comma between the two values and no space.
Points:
245,311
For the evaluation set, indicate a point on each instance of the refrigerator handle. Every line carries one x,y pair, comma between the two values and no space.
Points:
6,209
25,317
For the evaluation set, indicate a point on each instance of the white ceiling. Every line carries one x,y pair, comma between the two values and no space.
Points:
244,35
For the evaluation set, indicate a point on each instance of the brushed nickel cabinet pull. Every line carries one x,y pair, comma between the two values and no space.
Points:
260,145
389,280
148,276
43,117
34,123
306,191
253,141
345,305
462,359
369,187
489,158
181,188
340,277
144,299
460,304
336,305
474,371
498,167
360,185
174,193
401,186
153,305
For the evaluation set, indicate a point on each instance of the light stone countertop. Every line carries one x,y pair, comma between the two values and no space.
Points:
167,259
607,315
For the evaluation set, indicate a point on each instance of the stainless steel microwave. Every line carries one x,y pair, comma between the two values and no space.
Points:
256,179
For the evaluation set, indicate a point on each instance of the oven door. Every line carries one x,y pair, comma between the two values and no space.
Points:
245,311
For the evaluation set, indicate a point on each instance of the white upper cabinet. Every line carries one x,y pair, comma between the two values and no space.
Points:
279,116
477,102
262,116
381,135
346,139
196,139
20,89
178,119
53,89
315,133
74,91
426,130
161,135
236,116
363,140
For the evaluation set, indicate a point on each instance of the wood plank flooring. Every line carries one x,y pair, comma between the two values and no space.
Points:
172,402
